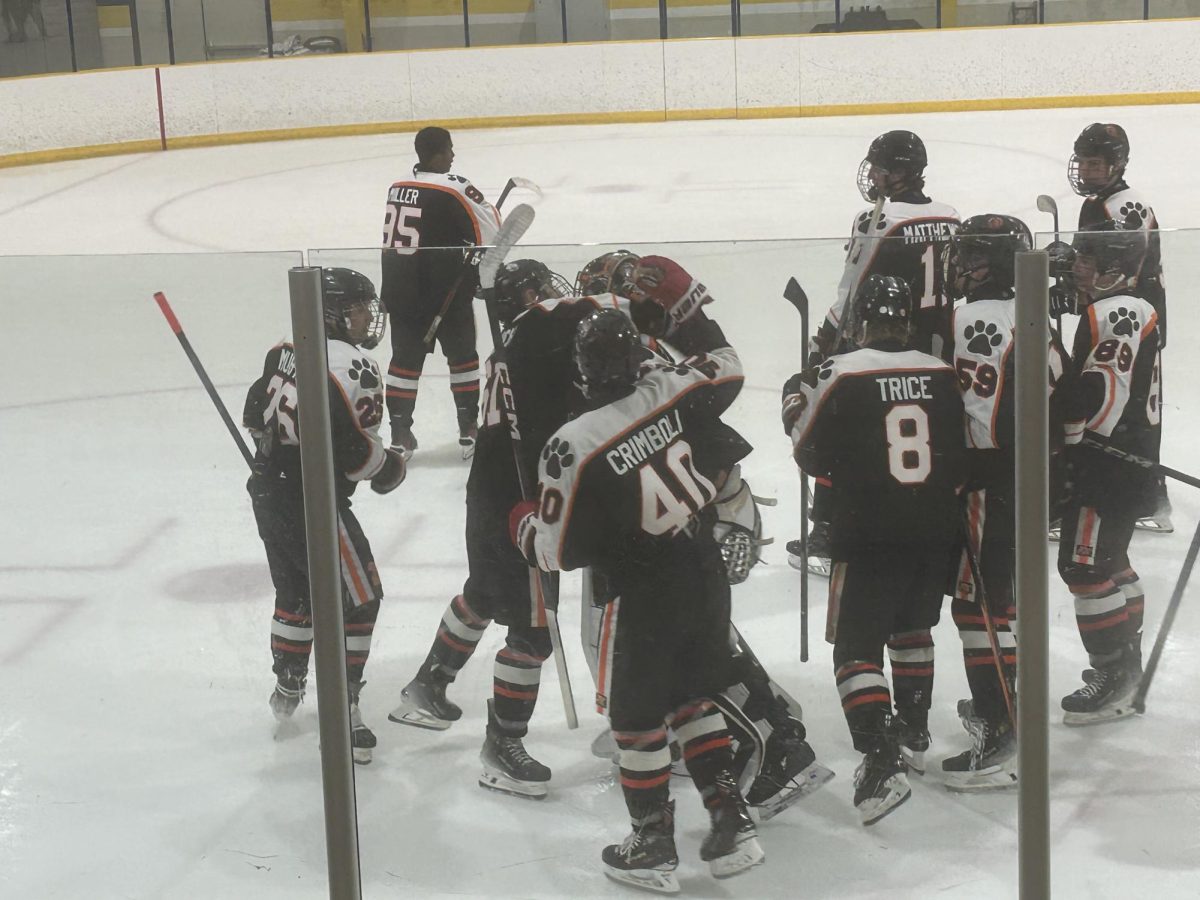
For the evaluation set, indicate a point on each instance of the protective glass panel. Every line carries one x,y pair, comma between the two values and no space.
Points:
228,29
324,26
417,24
1174,9
890,15
989,12
768,17
1092,10
37,39
706,18
515,22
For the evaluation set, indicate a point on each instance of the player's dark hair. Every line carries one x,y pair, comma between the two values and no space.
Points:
430,141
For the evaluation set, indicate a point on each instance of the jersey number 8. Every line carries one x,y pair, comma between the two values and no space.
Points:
910,458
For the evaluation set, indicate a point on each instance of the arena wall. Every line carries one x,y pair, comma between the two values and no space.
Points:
58,117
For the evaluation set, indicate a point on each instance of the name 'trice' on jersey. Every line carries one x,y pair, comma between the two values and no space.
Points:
886,427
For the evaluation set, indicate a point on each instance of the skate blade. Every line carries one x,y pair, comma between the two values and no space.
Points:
815,565
418,718
807,781
1155,526
876,808
605,746
502,784
1054,535
745,855
996,778
1123,710
658,880
468,450
363,756
914,760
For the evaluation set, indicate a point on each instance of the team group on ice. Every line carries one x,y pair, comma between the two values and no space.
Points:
602,446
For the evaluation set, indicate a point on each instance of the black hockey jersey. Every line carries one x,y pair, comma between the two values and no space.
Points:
907,243
885,425
619,484
429,211
1116,397
355,407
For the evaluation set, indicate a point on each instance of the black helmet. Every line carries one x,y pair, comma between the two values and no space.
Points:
1107,141
1117,255
608,354
611,273
981,257
882,300
341,291
899,153
518,276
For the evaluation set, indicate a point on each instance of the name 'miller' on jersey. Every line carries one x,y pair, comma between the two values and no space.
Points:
437,210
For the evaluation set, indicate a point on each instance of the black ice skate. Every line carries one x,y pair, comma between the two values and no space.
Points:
423,702
990,764
647,858
507,765
818,559
789,773
1159,521
362,739
1105,696
732,844
912,733
287,696
467,434
403,440
879,783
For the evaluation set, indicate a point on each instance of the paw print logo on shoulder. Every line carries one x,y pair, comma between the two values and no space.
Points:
1134,213
363,371
557,456
826,371
981,338
1124,321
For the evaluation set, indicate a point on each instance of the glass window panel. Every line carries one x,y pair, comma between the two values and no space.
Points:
1174,9
971,13
231,29
416,24
1092,10
36,38
316,26
699,18
770,17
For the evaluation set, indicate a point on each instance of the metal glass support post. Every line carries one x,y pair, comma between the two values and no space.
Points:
367,21
1033,621
466,24
170,32
270,29
71,37
662,20
325,582
136,32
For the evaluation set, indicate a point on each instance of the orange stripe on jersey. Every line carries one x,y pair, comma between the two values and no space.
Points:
716,743
644,783
350,565
466,388
1107,622
444,635
608,625
407,373
514,695
1150,323
423,185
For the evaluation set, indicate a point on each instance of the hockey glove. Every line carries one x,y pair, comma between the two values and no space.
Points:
521,529
670,286
390,474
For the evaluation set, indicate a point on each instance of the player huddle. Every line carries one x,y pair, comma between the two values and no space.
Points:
608,397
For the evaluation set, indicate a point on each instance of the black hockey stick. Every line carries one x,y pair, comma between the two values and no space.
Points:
1046,204
545,580
161,299
794,294
1157,468
1139,698
989,623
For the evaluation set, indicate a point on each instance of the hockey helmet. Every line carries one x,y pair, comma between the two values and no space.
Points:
610,273
883,300
352,309
1108,259
1100,140
980,259
900,156
519,276
608,354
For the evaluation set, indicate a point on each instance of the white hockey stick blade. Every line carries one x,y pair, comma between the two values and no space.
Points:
526,184
516,223
1046,204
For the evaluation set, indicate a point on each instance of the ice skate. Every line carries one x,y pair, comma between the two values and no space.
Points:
404,441
647,857
467,434
818,558
423,703
790,772
731,846
287,696
912,731
604,746
507,765
362,739
1106,696
1158,522
879,784
991,762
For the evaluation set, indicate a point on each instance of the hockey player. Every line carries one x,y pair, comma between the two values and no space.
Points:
501,586
903,235
426,214
1114,403
626,487
1097,173
885,424
353,324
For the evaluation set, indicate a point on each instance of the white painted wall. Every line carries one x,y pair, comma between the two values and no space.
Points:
746,76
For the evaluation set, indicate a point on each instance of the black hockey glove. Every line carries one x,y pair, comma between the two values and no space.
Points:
390,474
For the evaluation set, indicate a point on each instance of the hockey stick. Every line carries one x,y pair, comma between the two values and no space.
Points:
1046,204
989,623
518,182
1139,698
161,299
848,306
794,294
450,295
1157,468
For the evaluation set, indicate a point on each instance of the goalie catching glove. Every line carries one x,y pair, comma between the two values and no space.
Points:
739,526
669,285
391,473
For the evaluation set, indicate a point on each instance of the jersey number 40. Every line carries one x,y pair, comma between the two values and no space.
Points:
672,490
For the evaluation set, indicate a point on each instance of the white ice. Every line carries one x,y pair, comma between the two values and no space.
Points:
137,756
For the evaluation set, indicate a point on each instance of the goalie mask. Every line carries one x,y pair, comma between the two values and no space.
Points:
520,276
352,309
1100,155
980,260
738,531
611,273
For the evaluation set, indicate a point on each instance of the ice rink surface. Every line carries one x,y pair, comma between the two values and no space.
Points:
137,753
